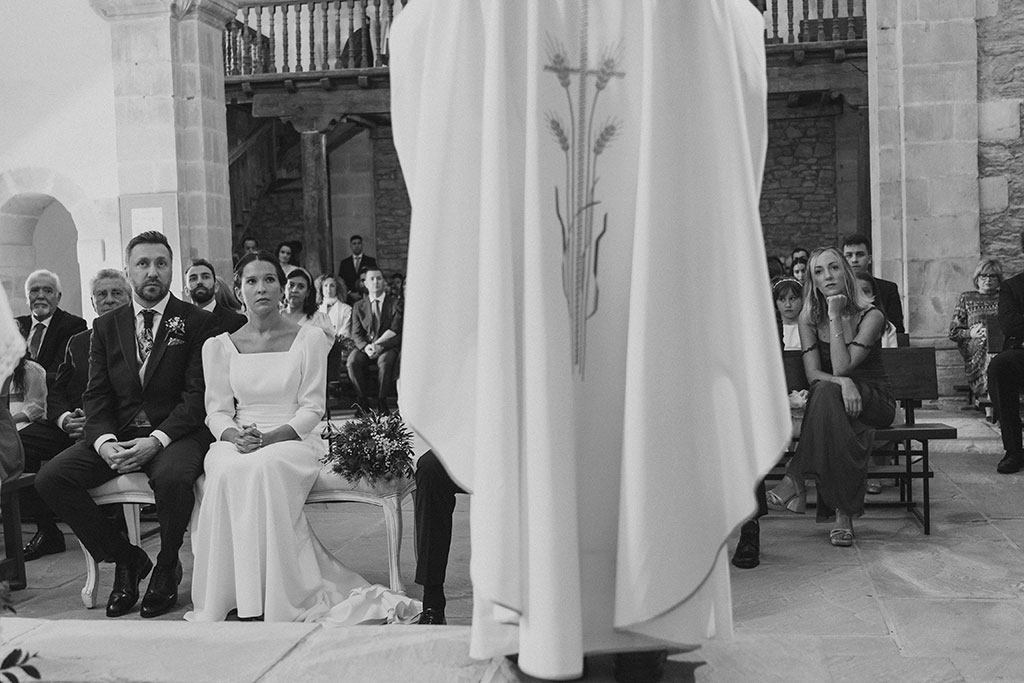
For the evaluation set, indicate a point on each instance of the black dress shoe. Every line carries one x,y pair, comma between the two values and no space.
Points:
1010,464
162,594
748,550
127,577
432,616
44,543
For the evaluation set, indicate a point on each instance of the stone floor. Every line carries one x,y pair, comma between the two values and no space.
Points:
898,606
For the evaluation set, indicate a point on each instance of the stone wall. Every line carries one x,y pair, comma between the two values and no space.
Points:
1000,145
277,217
391,204
798,199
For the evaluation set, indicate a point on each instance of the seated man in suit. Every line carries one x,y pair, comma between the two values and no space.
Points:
377,333
144,412
857,251
49,327
434,504
65,419
1006,372
351,269
201,282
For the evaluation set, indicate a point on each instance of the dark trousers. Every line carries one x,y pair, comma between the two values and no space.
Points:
41,441
435,503
64,481
1005,379
359,366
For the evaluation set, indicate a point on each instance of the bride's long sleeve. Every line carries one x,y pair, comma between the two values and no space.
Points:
220,399
312,393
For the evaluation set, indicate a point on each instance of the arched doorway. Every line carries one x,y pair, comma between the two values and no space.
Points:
37,231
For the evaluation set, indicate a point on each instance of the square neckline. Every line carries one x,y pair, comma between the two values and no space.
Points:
261,353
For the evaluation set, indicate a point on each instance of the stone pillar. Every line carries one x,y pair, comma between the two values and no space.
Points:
922,75
317,241
169,108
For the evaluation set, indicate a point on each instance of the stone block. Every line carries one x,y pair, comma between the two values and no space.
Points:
943,237
941,159
985,9
945,10
940,83
940,42
999,119
993,194
952,196
940,276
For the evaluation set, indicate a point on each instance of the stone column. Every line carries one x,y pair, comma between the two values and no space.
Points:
169,108
922,75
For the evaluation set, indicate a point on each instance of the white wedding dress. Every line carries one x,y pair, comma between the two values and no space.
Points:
254,548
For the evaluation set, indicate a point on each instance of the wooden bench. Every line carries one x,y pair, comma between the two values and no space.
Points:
12,567
913,379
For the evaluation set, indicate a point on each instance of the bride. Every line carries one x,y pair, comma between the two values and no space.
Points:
255,551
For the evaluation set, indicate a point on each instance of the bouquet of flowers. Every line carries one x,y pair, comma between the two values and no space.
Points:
374,446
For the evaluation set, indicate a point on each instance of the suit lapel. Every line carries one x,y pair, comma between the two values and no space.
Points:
160,342
124,322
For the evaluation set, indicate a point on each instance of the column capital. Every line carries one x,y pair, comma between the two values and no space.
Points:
213,12
216,13
313,124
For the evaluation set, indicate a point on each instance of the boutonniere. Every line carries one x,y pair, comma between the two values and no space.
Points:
176,328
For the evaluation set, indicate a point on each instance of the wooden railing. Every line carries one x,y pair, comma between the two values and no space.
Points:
812,21
295,37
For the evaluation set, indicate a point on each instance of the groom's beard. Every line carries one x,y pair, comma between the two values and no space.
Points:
161,290
201,295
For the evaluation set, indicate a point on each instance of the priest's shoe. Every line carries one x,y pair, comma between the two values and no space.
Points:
162,594
1010,464
127,577
748,550
44,543
432,617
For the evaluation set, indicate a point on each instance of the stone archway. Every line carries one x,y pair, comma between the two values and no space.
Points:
44,219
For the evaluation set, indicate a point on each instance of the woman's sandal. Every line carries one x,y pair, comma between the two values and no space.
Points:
842,538
795,503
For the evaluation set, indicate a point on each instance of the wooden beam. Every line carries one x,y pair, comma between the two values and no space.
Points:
318,252
316,103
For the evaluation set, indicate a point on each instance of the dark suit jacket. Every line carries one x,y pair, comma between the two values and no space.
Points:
347,271
226,320
1011,312
390,319
171,393
889,302
51,352
72,377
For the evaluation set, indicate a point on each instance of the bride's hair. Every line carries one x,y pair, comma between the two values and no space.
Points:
257,256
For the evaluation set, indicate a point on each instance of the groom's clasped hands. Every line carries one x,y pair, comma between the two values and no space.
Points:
131,455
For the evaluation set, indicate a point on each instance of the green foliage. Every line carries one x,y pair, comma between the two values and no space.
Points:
373,446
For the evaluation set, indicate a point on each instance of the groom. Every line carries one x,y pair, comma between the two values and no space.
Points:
144,412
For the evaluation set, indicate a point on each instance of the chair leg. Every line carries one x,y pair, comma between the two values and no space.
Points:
13,547
92,573
392,506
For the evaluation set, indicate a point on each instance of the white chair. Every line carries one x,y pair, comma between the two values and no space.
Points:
132,491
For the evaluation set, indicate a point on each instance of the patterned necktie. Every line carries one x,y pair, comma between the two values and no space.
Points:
146,336
36,341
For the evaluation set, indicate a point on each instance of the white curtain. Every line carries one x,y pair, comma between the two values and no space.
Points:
589,342
12,344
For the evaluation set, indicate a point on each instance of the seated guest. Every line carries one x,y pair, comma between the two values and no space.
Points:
352,267
1006,372
49,327
65,416
434,506
24,392
788,293
798,253
12,350
840,332
255,553
201,283
225,297
968,328
776,268
330,299
857,252
300,303
377,332
286,256
866,283
144,404
396,285
799,269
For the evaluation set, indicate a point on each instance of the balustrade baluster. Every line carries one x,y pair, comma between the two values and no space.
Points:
272,57
246,56
325,63
385,29
351,36
260,62
312,35
790,38
298,38
821,20
835,19
337,34
225,44
850,33
775,22
805,22
374,33
284,40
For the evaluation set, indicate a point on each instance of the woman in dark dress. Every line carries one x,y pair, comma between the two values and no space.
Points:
840,332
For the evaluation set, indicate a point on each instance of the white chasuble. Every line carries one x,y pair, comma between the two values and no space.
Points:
598,362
